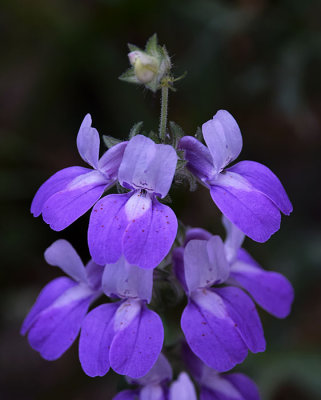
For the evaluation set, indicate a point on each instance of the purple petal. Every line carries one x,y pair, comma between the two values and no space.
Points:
264,180
161,372
234,239
246,387
61,254
205,263
94,273
107,225
57,182
182,388
211,333
178,266
88,142
131,224
57,326
250,210
271,290
198,157
221,388
47,296
193,363
242,311
147,165
110,161
152,392
149,238
197,233
138,341
64,207
223,138
97,332
125,280
126,395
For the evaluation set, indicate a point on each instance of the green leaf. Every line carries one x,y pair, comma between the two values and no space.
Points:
110,141
151,45
135,130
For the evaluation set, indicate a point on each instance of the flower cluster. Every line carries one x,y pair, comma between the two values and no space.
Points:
131,233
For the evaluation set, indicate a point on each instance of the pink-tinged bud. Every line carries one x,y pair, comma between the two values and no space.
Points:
145,66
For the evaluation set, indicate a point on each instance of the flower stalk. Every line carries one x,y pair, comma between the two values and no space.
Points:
164,110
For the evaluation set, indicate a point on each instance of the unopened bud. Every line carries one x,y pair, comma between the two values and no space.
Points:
145,66
149,66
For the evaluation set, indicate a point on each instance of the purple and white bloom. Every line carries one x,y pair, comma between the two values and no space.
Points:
54,321
69,193
220,323
248,193
135,224
154,385
216,386
125,335
271,290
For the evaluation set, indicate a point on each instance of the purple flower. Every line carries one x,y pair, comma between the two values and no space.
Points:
248,193
135,224
216,386
153,386
220,324
54,321
71,192
271,290
228,323
125,335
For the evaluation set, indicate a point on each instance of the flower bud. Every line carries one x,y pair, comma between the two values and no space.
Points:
145,66
148,66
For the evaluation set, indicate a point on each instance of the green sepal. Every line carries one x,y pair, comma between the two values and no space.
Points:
167,199
181,164
154,136
110,141
133,47
199,134
135,130
128,76
176,131
152,45
120,189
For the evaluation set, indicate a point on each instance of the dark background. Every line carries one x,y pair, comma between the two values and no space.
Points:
261,60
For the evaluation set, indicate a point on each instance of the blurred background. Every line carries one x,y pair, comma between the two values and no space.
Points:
259,59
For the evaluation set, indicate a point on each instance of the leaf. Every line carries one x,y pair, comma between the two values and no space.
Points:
135,130
110,141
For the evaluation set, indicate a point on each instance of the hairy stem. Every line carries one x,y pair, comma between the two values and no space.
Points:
164,109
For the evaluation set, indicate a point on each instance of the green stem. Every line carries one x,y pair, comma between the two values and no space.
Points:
164,109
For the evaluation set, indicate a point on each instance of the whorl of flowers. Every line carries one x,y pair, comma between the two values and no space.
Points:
136,241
